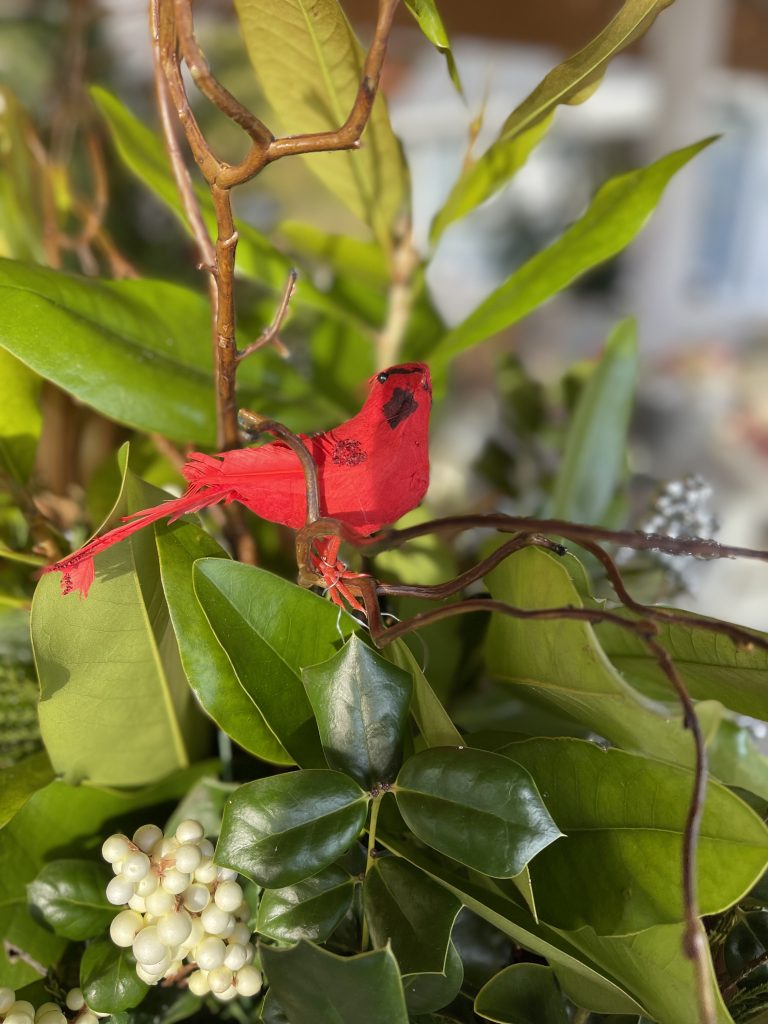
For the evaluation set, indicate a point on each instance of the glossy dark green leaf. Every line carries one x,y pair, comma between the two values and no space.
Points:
311,87
406,908
361,705
108,977
618,869
317,987
595,449
69,896
471,806
306,910
115,705
431,24
579,975
617,213
51,824
283,829
269,629
160,1006
211,674
20,417
482,178
136,351
522,994
435,989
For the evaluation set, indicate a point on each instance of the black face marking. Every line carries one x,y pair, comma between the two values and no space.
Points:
400,406
383,378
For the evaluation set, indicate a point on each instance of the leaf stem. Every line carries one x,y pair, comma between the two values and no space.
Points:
375,805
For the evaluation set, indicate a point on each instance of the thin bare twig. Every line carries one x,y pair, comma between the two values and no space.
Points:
272,333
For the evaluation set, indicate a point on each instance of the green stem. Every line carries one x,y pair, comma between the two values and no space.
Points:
370,859
581,1016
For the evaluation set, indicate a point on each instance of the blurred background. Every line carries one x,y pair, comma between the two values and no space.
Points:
697,279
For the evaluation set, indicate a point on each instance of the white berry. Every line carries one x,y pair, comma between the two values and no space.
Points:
7,999
137,903
89,1017
220,979
147,885
215,920
115,848
173,929
135,865
241,934
175,882
228,896
124,929
119,890
19,1017
248,981
235,957
146,837
148,948
190,831
197,897
198,983
206,848
227,875
54,1016
188,858
149,977
207,872
159,902
75,999
209,954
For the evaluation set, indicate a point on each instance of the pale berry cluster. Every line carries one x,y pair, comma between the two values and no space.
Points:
20,1011
181,907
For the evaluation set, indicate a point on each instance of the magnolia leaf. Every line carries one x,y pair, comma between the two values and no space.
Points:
595,449
311,86
617,213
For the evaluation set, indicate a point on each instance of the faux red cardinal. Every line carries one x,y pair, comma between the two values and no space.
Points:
371,470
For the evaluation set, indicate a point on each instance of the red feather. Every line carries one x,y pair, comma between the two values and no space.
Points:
371,470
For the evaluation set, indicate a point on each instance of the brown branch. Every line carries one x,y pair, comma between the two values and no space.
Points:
253,424
696,547
694,942
758,961
272,333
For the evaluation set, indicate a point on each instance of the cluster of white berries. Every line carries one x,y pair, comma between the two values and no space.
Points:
181,906
20,1011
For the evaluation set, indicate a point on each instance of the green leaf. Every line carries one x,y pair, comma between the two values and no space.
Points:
475,808
431,24
115,706
618,869
269,629
584,685
483,177
522,994
108,978
576,78
653,966
432,991
21,185
579,976
205,803
20,417
594,454
617,213
70,897
21,781
711,665
361,704
311,86
214,680
53,823
433,721
307,910
317,987
406,908
137,351
283,829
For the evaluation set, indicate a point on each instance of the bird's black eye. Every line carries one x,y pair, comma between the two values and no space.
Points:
382,378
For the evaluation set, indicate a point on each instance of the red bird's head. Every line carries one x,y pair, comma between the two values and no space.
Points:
403,396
